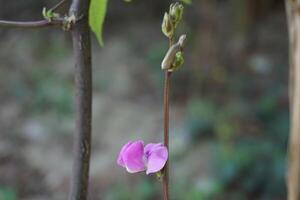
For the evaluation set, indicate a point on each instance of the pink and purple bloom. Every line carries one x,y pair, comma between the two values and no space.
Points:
136,157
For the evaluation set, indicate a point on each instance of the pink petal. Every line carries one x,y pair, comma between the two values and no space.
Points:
150,147
120,160
157,156
133,157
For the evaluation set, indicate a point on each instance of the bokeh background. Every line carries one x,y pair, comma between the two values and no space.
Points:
229,102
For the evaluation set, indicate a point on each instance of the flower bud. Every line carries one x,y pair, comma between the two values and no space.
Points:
178,61
167,26
175,12
172,53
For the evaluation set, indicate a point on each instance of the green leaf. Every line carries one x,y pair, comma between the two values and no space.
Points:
186,1
97,14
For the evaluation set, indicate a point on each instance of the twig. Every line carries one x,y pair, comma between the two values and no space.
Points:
31,24
35,24
83,109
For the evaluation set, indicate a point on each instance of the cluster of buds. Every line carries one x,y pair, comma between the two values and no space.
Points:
172,19
174,57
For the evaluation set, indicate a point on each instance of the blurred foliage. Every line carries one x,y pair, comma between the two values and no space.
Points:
247,164
7,194
242,169
153,58
143,189
201,190
51,93
201,116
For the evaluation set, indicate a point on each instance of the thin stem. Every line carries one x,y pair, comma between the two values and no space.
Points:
166,133
83,100
30,24
166,95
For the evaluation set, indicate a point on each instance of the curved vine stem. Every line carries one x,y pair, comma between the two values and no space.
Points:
37,23
31,24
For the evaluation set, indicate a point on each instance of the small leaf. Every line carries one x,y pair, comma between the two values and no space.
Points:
186,1
97,14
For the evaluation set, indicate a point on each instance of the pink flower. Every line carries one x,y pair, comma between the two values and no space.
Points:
136,157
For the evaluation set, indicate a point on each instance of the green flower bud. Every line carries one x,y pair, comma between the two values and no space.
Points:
175,12
159,175
49,14
178,61
167,26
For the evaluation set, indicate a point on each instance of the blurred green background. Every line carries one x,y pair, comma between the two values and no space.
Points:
229,112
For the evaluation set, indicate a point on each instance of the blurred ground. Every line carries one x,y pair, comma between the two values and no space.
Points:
229,113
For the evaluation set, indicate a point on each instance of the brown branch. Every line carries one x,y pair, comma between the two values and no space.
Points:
83,101
30,24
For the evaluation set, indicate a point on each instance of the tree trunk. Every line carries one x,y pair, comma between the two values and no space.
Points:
293,177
